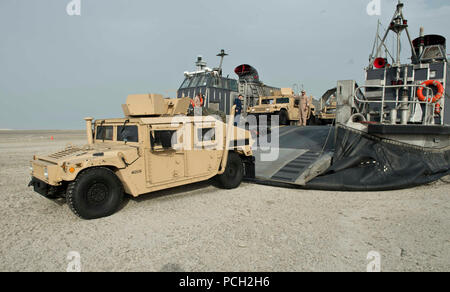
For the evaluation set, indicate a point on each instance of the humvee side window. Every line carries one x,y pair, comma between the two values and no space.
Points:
162,138
267,101
127,133
206,134
104,133
282,100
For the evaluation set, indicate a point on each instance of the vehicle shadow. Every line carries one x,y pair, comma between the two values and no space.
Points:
185,190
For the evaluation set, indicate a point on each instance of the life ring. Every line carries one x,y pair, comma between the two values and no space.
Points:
427,83
193,103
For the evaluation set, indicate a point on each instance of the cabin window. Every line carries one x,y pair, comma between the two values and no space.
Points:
104,133
202,81
186,83
233,85
195,82
127,133
217,82
226,84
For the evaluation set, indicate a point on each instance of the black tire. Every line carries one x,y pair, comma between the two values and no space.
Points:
284,119
234,172
96,193
311,121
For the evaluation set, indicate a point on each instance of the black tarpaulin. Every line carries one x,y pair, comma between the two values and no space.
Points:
366,163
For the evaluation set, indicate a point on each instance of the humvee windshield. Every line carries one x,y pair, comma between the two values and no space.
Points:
127,133
104,133
267,101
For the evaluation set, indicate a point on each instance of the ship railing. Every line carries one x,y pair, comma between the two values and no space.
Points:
402,105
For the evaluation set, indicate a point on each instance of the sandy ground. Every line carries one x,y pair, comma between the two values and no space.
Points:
202,228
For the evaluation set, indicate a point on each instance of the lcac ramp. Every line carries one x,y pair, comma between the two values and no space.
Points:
303,154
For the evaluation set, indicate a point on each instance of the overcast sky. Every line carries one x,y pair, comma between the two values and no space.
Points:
56,69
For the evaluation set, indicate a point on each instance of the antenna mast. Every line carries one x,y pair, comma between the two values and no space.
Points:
398,24
222,54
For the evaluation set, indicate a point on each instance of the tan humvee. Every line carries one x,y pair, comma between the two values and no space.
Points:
326,114
285,105
156,146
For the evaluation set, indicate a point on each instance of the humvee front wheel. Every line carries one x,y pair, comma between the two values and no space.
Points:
284,118
234,172
96,193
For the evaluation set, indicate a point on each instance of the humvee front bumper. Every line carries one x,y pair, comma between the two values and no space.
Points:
43,188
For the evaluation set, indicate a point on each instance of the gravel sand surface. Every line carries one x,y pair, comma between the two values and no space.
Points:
203,228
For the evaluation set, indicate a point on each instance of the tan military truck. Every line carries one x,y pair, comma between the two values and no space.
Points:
155,146
285,105
326,112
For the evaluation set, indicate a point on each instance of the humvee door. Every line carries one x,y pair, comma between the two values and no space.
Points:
165,161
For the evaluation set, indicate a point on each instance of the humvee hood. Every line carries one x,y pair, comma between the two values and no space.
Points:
89,152
262,107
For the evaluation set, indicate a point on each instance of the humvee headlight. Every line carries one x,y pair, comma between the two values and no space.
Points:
71,170
46,173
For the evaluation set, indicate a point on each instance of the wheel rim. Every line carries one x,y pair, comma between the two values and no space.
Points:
97,193
232,171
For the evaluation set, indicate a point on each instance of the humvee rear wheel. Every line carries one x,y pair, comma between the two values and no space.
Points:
96,193
234,172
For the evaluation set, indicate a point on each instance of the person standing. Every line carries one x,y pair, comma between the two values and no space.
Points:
303,109
238,103
198,104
